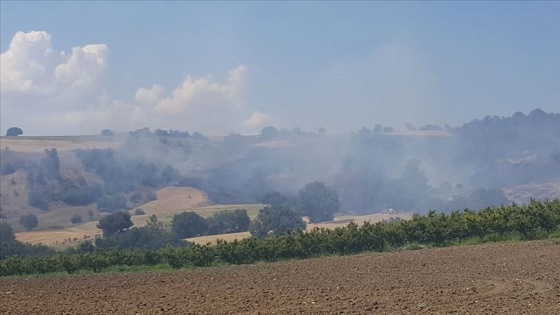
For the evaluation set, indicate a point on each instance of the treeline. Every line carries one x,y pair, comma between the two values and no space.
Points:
10,246
535,220
191,224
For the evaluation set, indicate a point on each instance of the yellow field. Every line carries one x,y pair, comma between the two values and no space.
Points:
171,200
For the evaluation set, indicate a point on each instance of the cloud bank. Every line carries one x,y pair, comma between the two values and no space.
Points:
49,92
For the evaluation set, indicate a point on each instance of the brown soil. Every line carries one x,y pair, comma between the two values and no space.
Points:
520,278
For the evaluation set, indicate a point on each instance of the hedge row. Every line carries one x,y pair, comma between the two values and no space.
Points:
534,220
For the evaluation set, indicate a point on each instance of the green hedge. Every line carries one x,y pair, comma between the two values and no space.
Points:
535,220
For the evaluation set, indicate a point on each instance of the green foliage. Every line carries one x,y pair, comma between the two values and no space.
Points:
14,132
319,202
75,195
139,211
189,224
146,237
6,233
28,221
76,218
9,246
112,203
115,223
274,199
276,221
228,221
535,220
50,164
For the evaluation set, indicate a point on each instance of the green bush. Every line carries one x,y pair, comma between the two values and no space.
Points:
535,220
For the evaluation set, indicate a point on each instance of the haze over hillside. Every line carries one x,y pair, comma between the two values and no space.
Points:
385,103
479,164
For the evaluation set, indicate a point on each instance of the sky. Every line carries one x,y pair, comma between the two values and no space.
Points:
71,68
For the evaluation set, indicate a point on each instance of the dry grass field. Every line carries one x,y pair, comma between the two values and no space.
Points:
62,144
519,278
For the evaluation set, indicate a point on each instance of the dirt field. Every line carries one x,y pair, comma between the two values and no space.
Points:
520,278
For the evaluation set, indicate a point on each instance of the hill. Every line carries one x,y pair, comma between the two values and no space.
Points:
485,162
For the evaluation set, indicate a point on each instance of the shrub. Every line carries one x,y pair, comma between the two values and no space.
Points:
29,221
76,218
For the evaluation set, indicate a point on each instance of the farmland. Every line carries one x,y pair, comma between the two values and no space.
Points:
515,278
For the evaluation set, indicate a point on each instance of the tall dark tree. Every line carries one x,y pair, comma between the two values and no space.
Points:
115,223
274,199
189,224
319,202
273,221
51,164
29,221
229,221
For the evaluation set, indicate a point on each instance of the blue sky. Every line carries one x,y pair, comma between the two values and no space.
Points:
221,67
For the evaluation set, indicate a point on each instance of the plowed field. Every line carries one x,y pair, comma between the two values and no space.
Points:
521,278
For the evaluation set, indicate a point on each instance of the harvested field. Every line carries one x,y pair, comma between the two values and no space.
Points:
175,199
520,278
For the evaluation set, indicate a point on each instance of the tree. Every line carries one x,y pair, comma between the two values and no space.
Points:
76,218
189,224
274,199
228,221
115,223
276,221
14,132
319,202
112,203
90,214
29,221
107,133
6,233
51,164
268,133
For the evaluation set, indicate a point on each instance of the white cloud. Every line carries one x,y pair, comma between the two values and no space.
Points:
46,91
256,121
198,103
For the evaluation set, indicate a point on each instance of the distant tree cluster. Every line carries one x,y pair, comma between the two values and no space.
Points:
145,132
10,246
275,221
120,234
533,221
283,215
191,224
